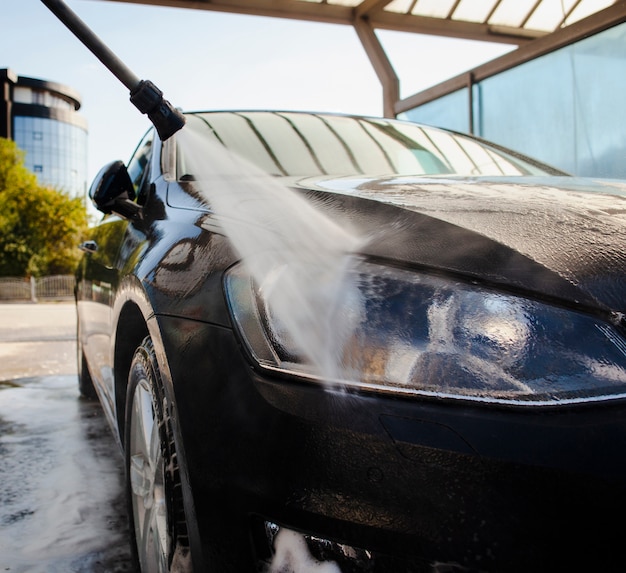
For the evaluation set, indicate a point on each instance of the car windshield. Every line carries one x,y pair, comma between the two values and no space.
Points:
307,144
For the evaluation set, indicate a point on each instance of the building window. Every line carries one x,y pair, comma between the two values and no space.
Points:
39,98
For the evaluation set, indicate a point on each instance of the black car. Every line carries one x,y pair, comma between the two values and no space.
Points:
336,343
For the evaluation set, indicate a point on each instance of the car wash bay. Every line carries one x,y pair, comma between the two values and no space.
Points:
62,502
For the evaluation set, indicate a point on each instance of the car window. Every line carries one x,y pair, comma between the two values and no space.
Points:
138,166
293,144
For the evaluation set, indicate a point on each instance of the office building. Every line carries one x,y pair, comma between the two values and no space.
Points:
42,118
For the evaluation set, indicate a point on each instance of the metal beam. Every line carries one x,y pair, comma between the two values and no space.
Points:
368,7
453,28
381,64
291,9
373,10
569,12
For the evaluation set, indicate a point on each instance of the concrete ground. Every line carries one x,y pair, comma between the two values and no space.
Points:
62,507
37,340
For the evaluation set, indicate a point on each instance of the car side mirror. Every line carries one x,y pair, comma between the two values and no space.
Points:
112,191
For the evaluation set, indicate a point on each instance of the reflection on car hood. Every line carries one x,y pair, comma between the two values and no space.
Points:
559,236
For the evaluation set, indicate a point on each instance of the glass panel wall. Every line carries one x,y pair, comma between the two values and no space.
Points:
449,112
564,108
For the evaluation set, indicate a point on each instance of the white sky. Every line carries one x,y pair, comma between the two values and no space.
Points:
210,60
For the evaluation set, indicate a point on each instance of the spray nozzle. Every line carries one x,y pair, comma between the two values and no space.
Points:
148,99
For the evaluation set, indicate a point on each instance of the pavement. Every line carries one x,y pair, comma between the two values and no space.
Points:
62,500
37,340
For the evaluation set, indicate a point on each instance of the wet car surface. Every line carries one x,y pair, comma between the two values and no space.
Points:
452,399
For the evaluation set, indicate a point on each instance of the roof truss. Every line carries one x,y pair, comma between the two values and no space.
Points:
525,23
376,12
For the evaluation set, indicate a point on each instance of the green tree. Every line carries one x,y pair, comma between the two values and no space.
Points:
13,172
40,227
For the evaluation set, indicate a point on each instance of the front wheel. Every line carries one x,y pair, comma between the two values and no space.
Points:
155,500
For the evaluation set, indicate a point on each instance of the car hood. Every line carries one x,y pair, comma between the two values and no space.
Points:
556,237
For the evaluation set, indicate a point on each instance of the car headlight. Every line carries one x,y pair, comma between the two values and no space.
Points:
425,334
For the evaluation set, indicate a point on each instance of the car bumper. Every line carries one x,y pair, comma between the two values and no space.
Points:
379,483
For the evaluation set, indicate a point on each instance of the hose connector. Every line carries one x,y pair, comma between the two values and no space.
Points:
148,99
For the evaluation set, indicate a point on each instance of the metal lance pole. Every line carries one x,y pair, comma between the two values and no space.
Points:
146,97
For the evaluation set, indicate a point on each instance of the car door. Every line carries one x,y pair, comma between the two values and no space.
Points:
98,280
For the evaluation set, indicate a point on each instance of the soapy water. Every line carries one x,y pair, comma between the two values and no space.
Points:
62,507
292,556
299,259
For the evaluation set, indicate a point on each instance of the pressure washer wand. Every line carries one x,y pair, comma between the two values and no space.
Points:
146,97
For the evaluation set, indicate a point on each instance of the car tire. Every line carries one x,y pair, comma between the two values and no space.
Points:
158,525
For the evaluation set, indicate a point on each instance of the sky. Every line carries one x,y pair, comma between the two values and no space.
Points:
205,60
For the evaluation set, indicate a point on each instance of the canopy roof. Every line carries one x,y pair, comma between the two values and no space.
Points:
518,22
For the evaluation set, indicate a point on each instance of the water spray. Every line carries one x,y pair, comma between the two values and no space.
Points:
300,257
146,97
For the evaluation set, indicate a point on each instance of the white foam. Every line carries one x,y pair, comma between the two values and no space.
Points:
292,556
58,484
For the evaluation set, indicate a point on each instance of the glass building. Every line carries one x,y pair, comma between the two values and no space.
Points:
42,118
